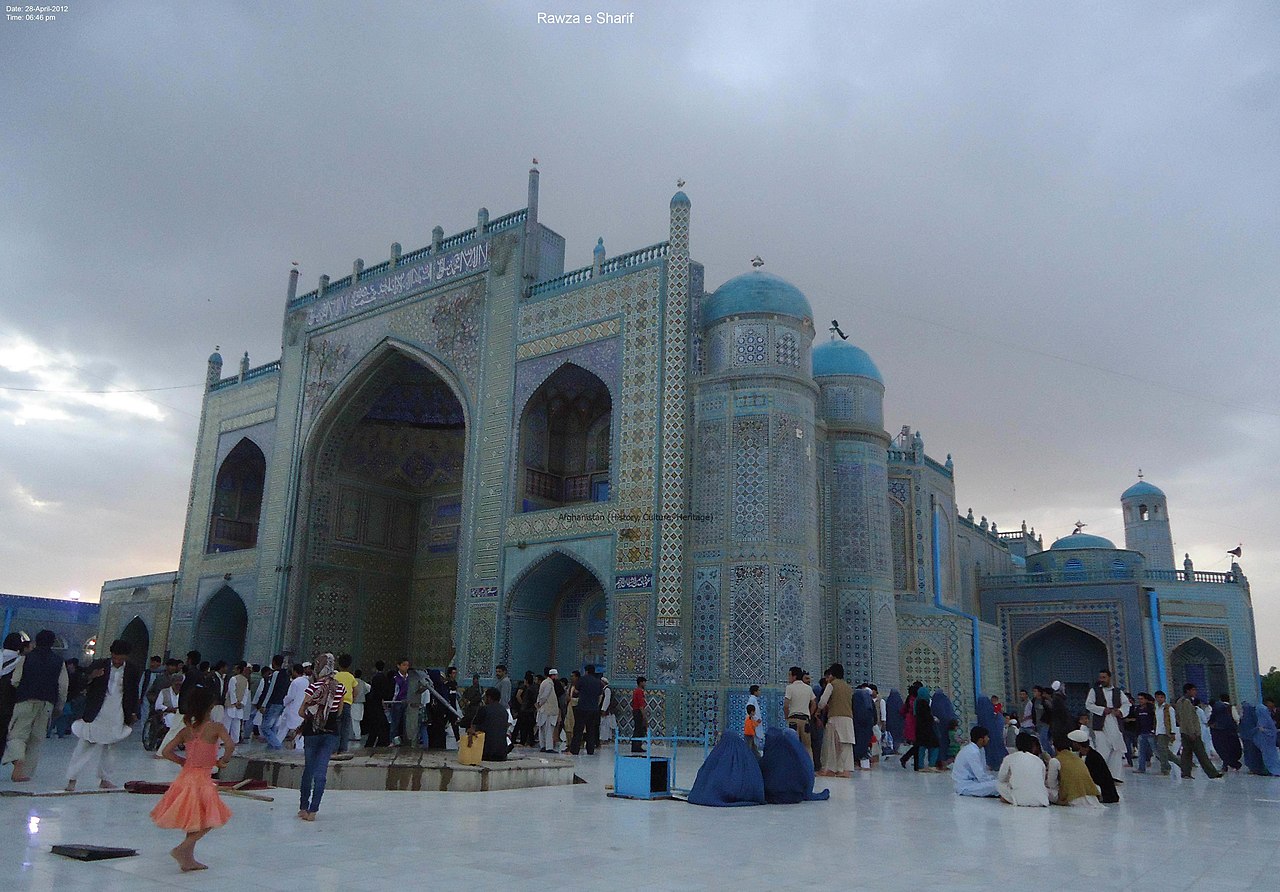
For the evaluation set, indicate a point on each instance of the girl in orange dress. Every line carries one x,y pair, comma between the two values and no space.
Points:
192,803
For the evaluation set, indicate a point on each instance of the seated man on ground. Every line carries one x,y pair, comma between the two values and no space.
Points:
970,772
1097,765
1021,780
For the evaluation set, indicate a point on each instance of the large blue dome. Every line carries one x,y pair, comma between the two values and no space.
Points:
1142,488
837,357
755,292
1081,540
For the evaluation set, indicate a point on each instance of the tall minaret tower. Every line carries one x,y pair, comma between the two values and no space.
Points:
1146,524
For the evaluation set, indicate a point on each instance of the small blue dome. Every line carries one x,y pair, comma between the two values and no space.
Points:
837,357
680,198
215,357
755,292
1081,540
1142,488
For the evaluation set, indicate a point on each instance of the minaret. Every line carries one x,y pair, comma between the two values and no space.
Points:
860,577
1146,524
214,372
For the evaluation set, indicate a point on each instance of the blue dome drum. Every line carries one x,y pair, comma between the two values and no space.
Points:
755,292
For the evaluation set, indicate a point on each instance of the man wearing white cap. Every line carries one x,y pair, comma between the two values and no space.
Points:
1109,705
548,712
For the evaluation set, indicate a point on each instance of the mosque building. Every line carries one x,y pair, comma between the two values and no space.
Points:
466,455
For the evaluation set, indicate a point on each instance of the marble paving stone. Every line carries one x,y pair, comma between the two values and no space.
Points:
1199,834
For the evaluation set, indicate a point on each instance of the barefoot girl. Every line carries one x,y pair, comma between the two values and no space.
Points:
192,803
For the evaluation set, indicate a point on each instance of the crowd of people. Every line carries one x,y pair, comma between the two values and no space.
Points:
1041,754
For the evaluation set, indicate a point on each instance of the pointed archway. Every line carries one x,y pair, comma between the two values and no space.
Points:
556,615
1196,661
1061,652
237,499
565,441
220,631
136,633
383,512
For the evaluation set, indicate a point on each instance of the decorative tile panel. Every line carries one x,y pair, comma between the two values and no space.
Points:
750,648
749,344
705,657
750,478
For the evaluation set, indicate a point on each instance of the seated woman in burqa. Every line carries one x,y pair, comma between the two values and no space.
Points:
730,776
788,769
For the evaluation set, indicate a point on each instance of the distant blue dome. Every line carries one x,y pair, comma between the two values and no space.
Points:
679,198
755,292
1081,540
215,357
837,357
1142,488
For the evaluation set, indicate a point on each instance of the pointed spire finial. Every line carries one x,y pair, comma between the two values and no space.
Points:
757,262
679,182
1139,473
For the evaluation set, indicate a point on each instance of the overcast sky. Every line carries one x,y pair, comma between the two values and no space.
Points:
1054,226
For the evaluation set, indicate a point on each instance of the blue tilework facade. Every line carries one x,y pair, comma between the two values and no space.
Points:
731,515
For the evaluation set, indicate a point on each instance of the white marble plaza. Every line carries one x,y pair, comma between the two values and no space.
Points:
889,829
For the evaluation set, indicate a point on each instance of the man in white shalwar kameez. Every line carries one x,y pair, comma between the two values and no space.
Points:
111,708
237,700
1021,778
290,719
548,712
969,771
1108,706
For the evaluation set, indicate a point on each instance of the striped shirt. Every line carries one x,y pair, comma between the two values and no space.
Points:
337,694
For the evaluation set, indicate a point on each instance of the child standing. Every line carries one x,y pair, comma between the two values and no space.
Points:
192,803
750,726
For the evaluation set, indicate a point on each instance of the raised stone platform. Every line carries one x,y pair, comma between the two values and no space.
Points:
395,768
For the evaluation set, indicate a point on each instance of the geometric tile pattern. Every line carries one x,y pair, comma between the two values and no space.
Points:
705,658
709,483
788,351
789,619
750,342
750,483
854,649
749,660
674,437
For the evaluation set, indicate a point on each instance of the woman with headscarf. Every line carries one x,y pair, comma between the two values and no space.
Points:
927,743
321,711
909,725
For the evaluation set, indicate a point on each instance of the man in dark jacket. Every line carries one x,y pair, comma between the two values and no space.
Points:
110,711
40,686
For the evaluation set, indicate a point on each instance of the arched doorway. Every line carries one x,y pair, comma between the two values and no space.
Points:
1062,652
1196,661
220,631
565,441
557,615
139,638
384,514
237,499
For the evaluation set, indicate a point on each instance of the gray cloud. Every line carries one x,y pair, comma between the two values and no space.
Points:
968,190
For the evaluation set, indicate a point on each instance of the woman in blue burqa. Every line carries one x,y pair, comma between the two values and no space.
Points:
1265,738
730,776
864,722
